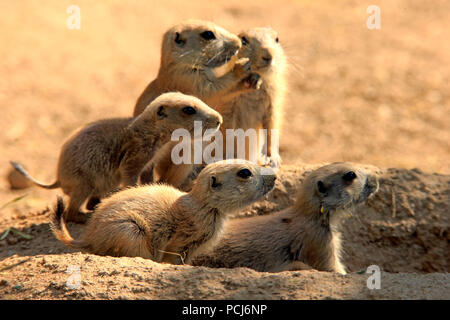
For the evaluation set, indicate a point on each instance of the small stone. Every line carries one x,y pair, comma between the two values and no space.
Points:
17,181
11,241
4,283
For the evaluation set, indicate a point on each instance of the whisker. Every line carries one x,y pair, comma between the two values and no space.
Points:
195,63
297,69
294,59
216,55
291,45
185,53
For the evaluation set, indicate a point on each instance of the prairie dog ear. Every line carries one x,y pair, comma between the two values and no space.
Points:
161,112
214,183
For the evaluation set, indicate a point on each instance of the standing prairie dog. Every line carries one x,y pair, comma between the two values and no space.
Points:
263,108
164,224
191,54
256,109
303,235
99,157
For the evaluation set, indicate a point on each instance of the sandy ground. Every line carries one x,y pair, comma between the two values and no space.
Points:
379,97
409,243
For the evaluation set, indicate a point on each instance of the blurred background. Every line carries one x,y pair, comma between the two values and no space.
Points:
379,97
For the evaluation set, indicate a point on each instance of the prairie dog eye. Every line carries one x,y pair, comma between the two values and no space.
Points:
214,183
276,40
180,42
349,176
244,173
321,187
207,35
189,110
161,114
244,41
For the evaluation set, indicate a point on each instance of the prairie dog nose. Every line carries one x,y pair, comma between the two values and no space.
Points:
268,174
267,58
234,44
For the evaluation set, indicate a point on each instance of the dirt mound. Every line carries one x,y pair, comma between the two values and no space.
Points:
371,96
411,237
137,278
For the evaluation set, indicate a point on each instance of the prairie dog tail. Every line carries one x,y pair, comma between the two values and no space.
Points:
23,172
58,226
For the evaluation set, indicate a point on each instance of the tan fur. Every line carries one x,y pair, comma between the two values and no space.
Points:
257,109
101,156
263,108
301,235
161,223
187,67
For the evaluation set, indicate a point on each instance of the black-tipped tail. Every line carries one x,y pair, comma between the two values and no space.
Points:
58,212
58,225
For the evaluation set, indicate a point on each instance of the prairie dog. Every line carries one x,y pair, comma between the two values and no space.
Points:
190,53
101,156
256,109
164,224
263,108
306,234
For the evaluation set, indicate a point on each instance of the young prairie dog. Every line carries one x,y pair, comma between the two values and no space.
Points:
256,109
263,108
306,234
191,54
164,224
101,156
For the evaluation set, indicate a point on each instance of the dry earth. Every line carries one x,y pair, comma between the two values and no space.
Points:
410,243
379,97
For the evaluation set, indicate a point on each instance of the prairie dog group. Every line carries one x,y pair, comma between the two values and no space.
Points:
225,81
190,53
162,223
105,154
306,234
255,109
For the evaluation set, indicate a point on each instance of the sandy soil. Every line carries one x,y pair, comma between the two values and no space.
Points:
379,97
410,243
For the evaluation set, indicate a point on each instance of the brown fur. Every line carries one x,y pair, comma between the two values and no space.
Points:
263,108
161,223
101,156
258,109
187,66
299,236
